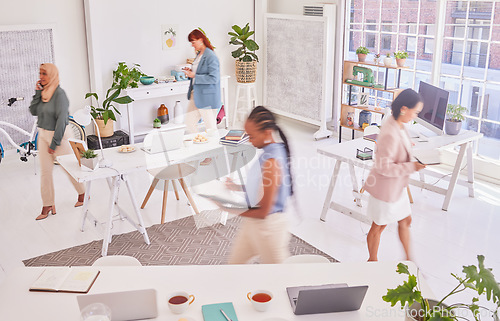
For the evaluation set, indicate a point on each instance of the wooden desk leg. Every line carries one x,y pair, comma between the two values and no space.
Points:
329,193
107,234
141,228
454,176
355,189
409,194
85,208
470,169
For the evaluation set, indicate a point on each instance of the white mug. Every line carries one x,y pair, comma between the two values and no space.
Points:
178,302
261,299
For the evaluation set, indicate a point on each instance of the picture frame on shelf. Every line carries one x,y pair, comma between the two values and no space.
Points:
363,99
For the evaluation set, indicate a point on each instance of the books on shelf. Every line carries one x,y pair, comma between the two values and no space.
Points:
212,312
66,279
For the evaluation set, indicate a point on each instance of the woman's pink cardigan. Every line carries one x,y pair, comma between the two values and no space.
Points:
392,164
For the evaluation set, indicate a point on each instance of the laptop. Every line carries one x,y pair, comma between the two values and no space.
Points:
126,305
164,140
326,298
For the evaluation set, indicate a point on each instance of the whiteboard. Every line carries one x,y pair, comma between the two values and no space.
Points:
297,57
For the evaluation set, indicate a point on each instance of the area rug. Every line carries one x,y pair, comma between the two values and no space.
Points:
175,243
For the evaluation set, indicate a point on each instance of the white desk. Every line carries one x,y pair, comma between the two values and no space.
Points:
126,163
346,153
214,284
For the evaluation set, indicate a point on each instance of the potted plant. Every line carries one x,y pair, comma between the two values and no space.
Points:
387,60
156,123
478,279
400,57
246,59
362,52
376,58
89,160
123,77
455,116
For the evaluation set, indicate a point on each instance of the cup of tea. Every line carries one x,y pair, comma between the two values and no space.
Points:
261,299
178,302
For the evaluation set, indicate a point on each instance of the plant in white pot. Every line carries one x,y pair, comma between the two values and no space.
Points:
400,56
388,60
479,280
362,52
89,160
246,59
455,116
123,78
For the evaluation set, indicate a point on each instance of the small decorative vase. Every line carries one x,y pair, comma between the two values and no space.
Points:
156,124
350,118
162,114
361,57
400,62
387,61
178,113
364,117
376,61
452,127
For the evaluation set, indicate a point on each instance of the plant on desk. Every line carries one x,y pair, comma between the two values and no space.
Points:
362,52
478,279
89,159
123,78
400,56
455,116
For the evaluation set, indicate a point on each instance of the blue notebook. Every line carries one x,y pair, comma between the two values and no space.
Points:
211,312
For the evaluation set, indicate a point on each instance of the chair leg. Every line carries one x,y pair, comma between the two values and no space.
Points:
409,194
153,185
186,191
164,206
175,190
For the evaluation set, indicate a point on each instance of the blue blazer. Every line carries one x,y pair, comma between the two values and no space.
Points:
206,84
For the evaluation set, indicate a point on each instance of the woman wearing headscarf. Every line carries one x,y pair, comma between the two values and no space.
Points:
51,105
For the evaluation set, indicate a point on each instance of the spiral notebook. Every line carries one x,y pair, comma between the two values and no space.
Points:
212,312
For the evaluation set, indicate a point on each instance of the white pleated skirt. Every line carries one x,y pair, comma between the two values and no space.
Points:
383,213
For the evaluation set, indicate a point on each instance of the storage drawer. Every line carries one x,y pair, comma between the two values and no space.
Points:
156,91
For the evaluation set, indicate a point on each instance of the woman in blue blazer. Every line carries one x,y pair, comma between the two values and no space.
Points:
204,87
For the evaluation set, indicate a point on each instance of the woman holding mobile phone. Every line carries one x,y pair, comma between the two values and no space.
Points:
51,105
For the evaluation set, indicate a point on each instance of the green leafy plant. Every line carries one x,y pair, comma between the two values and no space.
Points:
362,50
156,120
455,112
400,54
89,153
123,77
246,46
388,55
478,279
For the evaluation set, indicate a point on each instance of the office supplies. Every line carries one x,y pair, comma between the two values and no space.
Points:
126,305
164,140
225,315
327,299
212,312
65,279
365,154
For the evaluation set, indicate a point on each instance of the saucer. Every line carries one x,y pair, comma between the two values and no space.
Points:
200,142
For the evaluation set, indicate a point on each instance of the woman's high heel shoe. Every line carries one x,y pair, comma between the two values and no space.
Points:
81,198
46,210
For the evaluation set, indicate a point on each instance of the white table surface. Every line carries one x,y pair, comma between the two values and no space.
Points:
213,284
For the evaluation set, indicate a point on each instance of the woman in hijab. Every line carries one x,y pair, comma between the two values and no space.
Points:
51,106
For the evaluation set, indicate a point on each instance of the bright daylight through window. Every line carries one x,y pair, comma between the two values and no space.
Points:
466,63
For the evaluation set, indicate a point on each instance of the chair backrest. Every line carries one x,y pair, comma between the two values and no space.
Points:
370,130
306,258
117,260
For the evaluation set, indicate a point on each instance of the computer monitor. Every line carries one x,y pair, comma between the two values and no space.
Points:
434,111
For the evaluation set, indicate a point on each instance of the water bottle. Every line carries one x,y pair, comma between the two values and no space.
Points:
178,113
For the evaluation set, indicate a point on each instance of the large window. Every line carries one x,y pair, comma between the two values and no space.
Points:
466,63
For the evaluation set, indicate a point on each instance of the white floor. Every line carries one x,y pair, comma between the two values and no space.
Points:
442,241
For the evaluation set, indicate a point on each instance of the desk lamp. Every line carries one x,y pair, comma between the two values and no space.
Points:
83,117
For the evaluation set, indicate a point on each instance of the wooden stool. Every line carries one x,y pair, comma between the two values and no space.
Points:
249,98
171,173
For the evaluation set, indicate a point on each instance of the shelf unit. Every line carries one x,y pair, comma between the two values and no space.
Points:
347,106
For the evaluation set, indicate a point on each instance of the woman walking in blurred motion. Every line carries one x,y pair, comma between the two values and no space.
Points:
390,174
51,106
264,228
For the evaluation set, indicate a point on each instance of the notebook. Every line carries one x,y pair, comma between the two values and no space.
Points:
164,140
327,298
428,156
126,305
66,279
211,312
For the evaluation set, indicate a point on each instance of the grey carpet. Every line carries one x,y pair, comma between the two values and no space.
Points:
175,243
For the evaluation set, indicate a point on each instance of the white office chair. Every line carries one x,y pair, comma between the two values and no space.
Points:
171,173
306,258
117,260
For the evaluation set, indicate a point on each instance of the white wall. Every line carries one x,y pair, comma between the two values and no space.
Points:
69,39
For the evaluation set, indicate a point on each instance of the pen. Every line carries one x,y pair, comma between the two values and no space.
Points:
225,315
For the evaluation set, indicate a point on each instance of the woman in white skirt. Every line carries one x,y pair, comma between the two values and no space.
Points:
389,176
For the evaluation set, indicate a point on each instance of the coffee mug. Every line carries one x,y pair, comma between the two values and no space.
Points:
261,299
178,302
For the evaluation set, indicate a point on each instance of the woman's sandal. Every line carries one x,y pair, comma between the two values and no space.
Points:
46,210
81,198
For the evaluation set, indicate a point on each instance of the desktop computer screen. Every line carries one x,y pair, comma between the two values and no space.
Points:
433,113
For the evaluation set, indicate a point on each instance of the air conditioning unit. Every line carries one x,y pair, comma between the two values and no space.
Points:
313,10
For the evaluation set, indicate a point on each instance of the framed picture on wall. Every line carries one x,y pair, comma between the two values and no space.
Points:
169,36
363,99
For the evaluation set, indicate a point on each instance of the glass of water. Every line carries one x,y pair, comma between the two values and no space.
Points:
96,312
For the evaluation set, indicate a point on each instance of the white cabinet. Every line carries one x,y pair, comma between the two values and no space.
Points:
137,117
